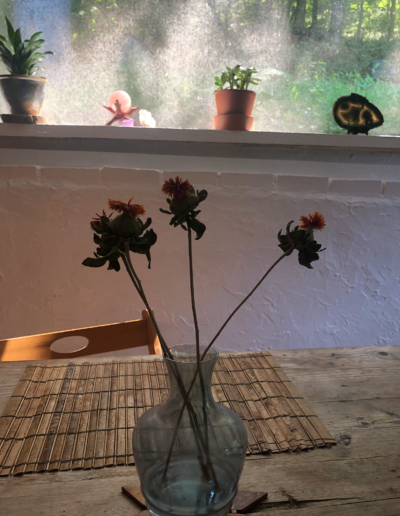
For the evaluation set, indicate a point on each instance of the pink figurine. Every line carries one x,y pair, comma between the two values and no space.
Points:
120,107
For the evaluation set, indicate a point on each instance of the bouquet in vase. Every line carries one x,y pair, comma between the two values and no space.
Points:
190,450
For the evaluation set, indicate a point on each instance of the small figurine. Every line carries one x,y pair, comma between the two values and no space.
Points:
356,114
120,107
146,119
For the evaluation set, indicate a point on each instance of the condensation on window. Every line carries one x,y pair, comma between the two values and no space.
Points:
166,54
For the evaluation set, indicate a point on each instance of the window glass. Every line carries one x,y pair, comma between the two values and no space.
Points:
166,53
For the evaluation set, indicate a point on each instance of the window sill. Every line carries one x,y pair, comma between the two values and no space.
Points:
200,150
78,133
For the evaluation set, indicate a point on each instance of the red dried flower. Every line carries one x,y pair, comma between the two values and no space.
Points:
97,222
315,221
178,189
122,207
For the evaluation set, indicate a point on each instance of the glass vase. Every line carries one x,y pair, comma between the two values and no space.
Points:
189,455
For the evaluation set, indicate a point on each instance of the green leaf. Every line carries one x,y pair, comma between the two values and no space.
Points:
5,51
114,266
96,229
146,224
165,211
109,241
202,195
94,262
197,226
142,245
10,31
17,39
34,36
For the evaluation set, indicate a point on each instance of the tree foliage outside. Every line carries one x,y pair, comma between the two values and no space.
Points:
166,53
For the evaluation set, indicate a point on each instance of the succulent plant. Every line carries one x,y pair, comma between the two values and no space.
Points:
21,57
238,78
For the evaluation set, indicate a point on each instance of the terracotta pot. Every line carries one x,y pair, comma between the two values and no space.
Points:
235,102
23,93
233,122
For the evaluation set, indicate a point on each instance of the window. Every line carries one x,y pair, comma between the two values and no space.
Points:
165,54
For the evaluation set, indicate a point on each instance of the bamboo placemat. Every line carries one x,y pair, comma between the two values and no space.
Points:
81,415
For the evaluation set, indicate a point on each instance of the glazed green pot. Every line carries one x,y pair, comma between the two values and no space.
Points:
23,93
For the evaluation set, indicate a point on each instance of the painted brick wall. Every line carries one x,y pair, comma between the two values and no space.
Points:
351,298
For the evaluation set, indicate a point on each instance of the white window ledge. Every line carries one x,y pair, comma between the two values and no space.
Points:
77,133
201,150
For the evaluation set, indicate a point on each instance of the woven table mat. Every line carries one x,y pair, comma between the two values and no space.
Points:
82,415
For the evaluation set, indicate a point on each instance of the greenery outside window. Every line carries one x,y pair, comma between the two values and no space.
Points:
166,53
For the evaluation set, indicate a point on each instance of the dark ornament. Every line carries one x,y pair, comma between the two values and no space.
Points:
356,114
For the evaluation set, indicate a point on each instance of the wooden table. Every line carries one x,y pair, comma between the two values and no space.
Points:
354,391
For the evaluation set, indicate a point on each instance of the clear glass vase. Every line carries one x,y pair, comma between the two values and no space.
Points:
189,456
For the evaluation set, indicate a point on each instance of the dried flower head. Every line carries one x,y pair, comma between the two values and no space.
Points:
97,220
176,188
122,207
315,221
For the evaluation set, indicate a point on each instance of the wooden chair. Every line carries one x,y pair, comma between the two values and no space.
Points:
102,339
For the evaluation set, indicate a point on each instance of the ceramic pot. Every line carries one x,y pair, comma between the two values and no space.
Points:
234,108
23,93
234,102
189,457
233,122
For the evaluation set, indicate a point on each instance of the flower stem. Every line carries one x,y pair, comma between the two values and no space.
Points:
196,325
186,402
138,285
197,333
245,299
202,358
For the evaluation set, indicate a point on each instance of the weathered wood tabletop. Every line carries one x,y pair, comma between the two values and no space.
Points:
354,391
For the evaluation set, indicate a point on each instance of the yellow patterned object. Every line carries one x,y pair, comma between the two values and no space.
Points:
356,114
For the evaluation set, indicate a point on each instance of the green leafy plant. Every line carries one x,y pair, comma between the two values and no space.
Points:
21,57
238,78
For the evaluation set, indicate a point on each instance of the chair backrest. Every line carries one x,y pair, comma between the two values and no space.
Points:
102,339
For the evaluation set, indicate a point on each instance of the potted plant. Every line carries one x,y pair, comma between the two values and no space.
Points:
235,102
21,89
190,450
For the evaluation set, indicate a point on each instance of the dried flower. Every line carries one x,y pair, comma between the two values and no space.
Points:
122,207
177,189
97,220
183,204
315,221
301,240
112,236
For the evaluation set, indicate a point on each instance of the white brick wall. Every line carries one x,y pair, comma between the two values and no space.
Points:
111,176
200,179
302,184
392,189
261,181
71,175
352,297
356,187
